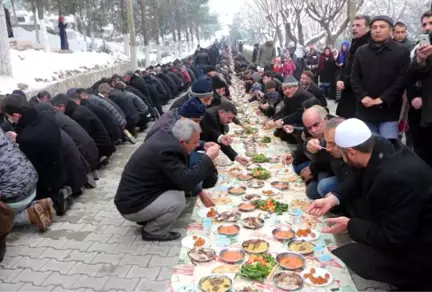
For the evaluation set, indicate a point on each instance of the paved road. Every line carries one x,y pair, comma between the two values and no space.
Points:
92,248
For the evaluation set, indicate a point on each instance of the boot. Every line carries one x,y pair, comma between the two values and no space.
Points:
38,217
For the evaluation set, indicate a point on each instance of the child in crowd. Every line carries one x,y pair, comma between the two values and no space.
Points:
270,100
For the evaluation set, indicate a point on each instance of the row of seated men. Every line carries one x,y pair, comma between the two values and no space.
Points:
52,146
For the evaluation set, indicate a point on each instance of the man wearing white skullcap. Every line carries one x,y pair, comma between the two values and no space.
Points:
391,227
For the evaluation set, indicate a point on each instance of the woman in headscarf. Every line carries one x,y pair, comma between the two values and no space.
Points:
64,44
340,61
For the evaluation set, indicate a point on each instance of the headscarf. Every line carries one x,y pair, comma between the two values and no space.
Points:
342,55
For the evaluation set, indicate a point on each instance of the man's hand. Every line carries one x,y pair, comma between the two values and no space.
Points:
367,101
12,135
423,53
264,106
306,174
271,124
378,101
279,124
206,199
288,129
313,146
340,225
417,103
207,145
213,151
340,85
226,140
321,207
242,160
287,159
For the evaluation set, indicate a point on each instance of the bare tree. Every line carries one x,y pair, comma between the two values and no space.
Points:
145,32
156,29
41,19
132,36
5,60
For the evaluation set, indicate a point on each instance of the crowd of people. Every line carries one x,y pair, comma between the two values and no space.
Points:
51,147
353,163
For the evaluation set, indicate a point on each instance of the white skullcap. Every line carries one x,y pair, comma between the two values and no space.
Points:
351,133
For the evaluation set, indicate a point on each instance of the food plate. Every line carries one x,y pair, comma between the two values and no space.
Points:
299,204
288,281
229,229
290,260
255,246
283,233
248,289
246,207
256,184
301,246
318,277
251,197
292,178
232,255
222,200
280,185
236,191
253,222
244,177
193,241
307,234
201,254
215,283
229,216
208,213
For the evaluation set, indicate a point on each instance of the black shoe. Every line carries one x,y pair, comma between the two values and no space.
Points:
168,237
91,183
95,175
2,247
63,202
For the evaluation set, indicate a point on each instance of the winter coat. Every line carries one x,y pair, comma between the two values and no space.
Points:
179,82
39,138
316,91
64,44
18,177
424,75
202,59
108,121
81,138
164,123
91,123
288,68
266,54
159,165
293,108
170,82
139,83
327,69
126,103
160,87
212,129
77,168
255,53
181,100
138,93
389,64
101,102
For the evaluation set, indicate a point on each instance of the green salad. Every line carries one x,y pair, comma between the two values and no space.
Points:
265,139
272,206
260,158
258,267
261,173
250,131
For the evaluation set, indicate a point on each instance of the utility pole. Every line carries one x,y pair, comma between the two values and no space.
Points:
132,35
352,11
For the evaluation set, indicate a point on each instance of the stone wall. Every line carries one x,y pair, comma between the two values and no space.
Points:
82,80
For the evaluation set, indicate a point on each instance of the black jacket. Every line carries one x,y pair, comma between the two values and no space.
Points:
212,129
424,75
39,138
318,93
380,71
81,138
397,191
158,165
293,108
91,123
108,121
139,83
202,59
170,82
126,103
138,93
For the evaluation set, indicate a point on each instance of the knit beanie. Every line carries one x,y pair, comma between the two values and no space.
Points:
202,87
193,108
218,82
71,92
385,18
256,77
19,92
290,82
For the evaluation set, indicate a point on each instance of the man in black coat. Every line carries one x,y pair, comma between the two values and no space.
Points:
215,127
153,184
379,103
392,235
347,105
88,120
308,84
39,138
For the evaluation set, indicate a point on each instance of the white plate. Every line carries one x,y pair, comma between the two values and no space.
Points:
318,272
309,238
188,241
203,212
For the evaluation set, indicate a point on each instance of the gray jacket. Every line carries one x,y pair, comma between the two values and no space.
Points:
138,103
99,101
18,177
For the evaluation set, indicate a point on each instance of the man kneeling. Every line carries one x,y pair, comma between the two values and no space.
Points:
153,184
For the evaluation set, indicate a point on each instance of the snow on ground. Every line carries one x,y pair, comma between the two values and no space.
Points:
36,69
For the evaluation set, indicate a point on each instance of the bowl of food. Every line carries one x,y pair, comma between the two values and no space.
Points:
251,197
253,222
288,281
232,255
236,191
301,246
207,213
283,233
307,234
260,158
215,283
229,216
244,177
246,207
280,185
317,277
256,184
255,246
248,289
201,254
261,173
290,261
229,229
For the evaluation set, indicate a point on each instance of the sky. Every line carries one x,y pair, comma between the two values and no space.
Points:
226,10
